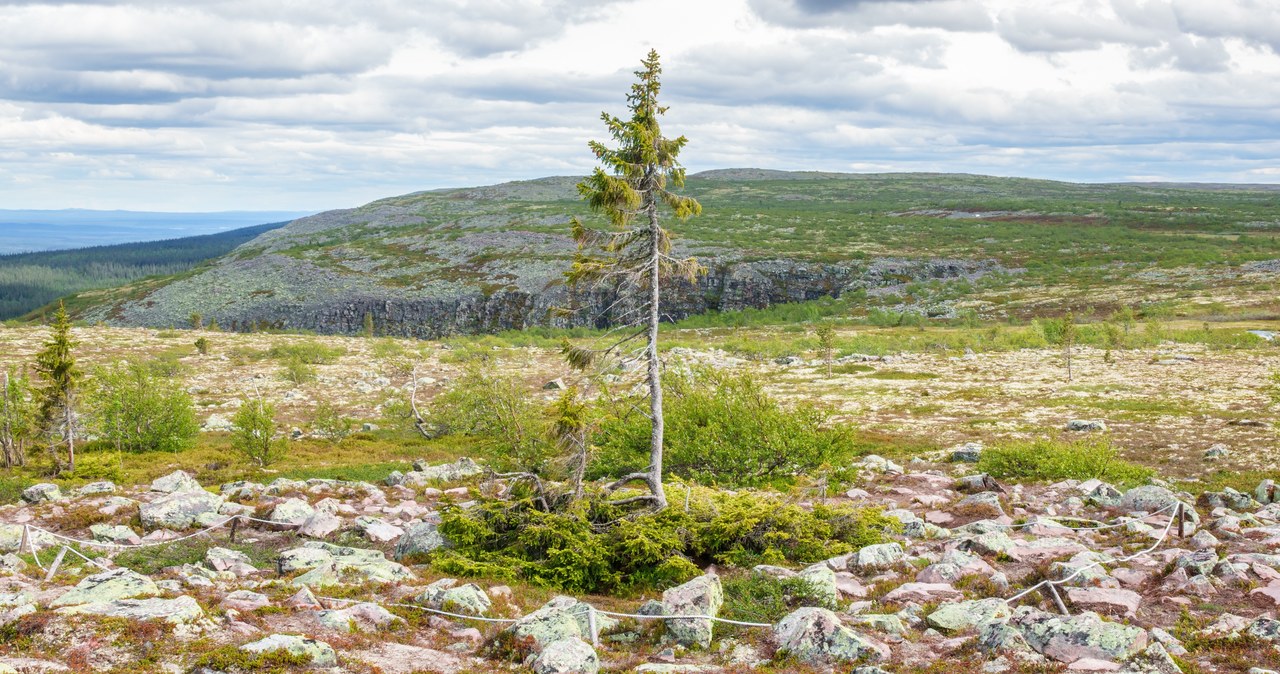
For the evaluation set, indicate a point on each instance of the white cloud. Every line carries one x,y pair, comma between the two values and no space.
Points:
221,104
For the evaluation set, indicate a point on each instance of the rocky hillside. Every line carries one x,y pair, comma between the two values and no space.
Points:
1073,576
492,258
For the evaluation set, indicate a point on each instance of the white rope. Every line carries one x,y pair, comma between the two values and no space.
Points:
427,609
683,617
572,611
1163,535
1101,525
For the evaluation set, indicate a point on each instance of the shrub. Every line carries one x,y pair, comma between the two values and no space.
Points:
309,352
1050,460
497,409
202,346
296,371
134,410
722,428
253,432
590,547
755,597
330,424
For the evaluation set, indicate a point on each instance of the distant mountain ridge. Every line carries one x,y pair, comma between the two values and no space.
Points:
492,257
27,230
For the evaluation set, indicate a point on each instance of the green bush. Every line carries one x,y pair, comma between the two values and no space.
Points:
330,423
498,410
757,598
311,353
1051,460
253,432
297,371
592,548
136,410
722,428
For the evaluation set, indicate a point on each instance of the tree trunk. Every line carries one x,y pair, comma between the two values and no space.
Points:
655,373
71,435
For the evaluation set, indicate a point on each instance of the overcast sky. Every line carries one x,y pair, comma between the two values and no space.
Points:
315,104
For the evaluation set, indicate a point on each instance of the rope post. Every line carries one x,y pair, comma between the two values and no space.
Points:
1182,520
235,523
57,561
593,626
26,538
1057,598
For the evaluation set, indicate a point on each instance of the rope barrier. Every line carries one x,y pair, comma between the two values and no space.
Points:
1101,525
167,541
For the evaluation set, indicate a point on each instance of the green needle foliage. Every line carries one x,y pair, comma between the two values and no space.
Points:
56,366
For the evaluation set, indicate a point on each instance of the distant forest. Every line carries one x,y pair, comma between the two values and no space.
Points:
29,281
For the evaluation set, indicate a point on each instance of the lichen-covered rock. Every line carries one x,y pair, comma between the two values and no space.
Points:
378,530
320,525
567,656
420,539
446,595
175,482
701,596
822,579
96,488
1105,600
179,510
815,635
320,653
1153,498
115,533
334,564
245,600
1071,638
365,616
555,620
448,472
292,511
41,493
1154,660
230,561
183,609
108,586
1087,425
880,556
1266,629
967,615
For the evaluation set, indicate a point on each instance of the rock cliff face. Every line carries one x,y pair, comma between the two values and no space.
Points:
484,260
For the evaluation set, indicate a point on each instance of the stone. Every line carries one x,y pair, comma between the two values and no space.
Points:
178,510
879,556
292,511
1087,425
1267,492
969,452
555,620
365,616
567,656
1266,629
1152,498
823,581
42,493
973,484
420,539
320,653
922,593
1070,638
233,561
879,464
701,596
449,472
320,525
115,533
245,600
816,635
1154,660
966,615
377,530
446,595
108,586
334,564
96,488
1216,452
175,482
985,504
1105,600
177,611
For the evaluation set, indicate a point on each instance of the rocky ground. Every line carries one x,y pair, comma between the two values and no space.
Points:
322,574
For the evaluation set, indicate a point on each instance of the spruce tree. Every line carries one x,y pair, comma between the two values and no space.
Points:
632,188
56,366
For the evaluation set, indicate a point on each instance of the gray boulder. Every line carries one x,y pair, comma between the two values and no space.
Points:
293,511
1267,492
181,610
556,620
448,472
334,565
567,656
421,539
966,615
1071,638
108,586
177,481
96,488
880,556
179,510
1087,425
969,452
41,493
701,596
822,579
320,653
815,635
446,595
114,533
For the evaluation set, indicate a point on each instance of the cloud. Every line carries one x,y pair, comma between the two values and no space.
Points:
958,15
